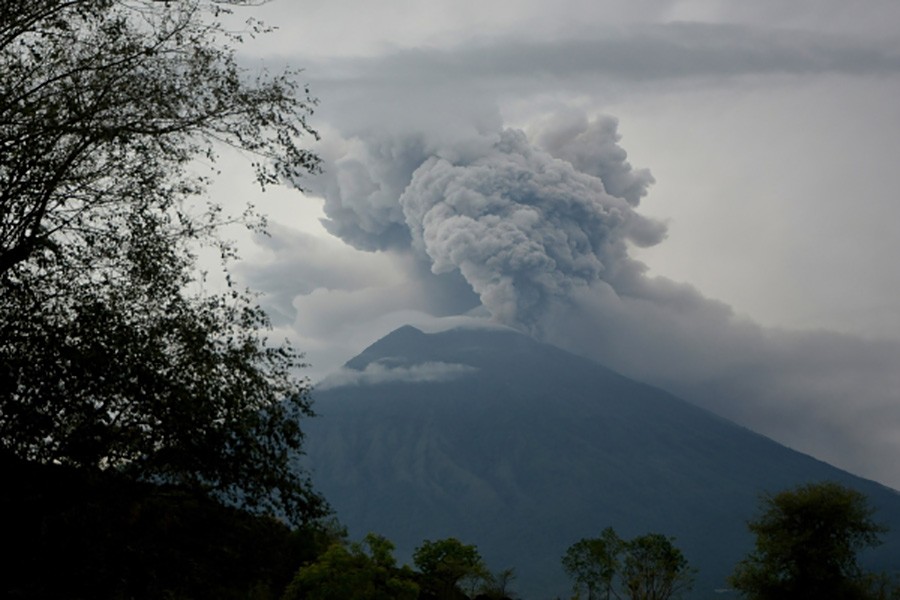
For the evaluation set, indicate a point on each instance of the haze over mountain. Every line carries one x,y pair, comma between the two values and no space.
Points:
523,448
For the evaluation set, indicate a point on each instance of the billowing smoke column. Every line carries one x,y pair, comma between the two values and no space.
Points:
521,226
524,225
593,148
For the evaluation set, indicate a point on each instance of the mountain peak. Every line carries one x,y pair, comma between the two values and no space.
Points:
487,435
410,345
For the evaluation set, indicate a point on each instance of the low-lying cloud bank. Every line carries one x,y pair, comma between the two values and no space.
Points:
380,373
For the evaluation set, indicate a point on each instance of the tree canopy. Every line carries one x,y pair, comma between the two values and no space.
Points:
445,563
648,567
104,105
358,570
807,544
112,354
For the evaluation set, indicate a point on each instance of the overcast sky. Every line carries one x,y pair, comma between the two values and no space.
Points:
700,194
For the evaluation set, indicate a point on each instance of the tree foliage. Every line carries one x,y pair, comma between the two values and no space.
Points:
497,586
807,542
654,569
367,571
112,355
445,563
648,567
104,103
593,563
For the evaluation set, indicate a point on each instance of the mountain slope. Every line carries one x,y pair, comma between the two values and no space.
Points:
523,448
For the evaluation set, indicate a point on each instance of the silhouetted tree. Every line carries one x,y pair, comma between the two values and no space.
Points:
593,563
497,586
366,571
807,541
654,569
648,567
112,355
444,563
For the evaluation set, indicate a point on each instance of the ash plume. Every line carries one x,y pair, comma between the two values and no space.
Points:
522,226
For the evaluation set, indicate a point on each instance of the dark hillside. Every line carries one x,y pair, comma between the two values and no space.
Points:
86,535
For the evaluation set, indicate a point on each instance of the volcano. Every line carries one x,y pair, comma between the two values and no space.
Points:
522,448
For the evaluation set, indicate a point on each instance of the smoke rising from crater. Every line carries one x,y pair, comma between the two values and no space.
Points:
523,225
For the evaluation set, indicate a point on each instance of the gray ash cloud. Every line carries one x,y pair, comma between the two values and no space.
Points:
522,224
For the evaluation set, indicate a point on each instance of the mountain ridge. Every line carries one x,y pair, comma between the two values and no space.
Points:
534,447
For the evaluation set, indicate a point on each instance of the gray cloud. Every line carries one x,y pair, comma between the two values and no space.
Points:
361,188
633,53
331,300
592,147
351,27
519,225
383,372
828,394
289,263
